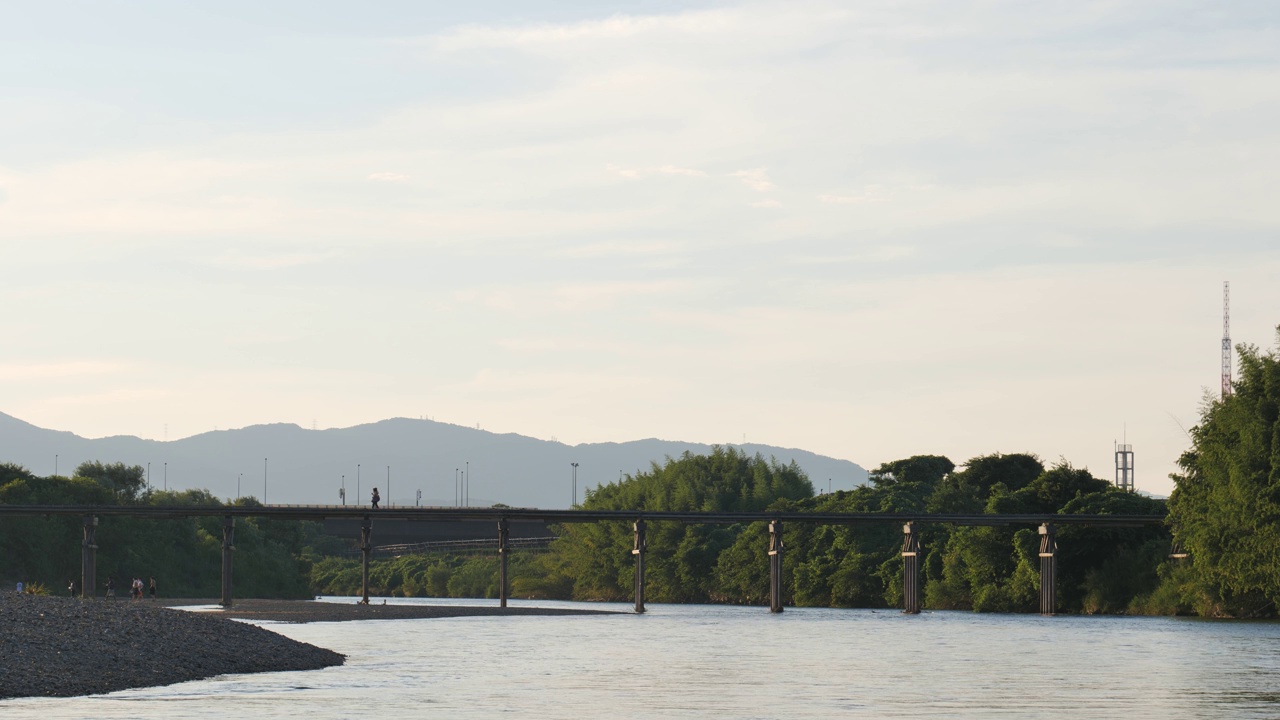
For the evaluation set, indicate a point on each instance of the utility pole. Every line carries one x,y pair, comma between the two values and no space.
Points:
574,502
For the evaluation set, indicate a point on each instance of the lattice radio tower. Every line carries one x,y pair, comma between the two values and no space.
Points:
1226,339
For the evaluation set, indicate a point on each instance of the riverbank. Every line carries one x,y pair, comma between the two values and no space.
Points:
305,611
63,647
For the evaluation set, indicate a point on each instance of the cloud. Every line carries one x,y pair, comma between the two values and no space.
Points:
885,253
687,172
636,173
613,29
770,203
60,370
869,194
624,172
387,177
240,259
754,179
620,248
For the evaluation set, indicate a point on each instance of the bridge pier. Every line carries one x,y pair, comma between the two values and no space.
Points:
641,544
503,551
1048,570
366,526
228,547
775,566
89,558
910,570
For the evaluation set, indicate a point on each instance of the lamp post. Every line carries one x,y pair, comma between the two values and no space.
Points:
166,477
55,465
148,476
357,482
457,488
264,481
238,479
466,483
573,503
342,491
390,502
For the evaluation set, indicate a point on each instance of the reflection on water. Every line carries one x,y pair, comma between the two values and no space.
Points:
713,661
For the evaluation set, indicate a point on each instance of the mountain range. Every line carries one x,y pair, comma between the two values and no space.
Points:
288,464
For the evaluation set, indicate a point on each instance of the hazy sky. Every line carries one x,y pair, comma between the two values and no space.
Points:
868,229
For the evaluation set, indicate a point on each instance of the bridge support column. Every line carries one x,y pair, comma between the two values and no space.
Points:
89,558
910,570
228,547
366,526
641,544
1048,570
503,551
775,566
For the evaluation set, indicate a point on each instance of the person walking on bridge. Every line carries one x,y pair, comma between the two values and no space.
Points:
376,497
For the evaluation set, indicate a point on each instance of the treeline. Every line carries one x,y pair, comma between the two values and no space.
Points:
273,557
1225,508
977,568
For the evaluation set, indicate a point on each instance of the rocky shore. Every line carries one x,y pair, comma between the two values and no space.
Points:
62,647
304,611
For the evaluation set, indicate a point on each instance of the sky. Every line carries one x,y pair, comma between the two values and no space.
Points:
869,230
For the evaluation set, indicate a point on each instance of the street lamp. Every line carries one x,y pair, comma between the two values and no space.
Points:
238,479
357,482
466,483
342,491
390,502
264,481
418,502
574,501
166,477
457,488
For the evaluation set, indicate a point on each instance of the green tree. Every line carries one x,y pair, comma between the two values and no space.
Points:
1225,507
125,482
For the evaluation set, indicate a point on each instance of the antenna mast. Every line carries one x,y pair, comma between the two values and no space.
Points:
1226,339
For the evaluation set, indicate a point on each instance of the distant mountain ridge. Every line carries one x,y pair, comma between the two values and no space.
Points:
308,466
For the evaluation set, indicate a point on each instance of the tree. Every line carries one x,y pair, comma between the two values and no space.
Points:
124,481
1225,508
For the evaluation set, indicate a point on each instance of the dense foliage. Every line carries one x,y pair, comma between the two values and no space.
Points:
978,568
1226,507
183,555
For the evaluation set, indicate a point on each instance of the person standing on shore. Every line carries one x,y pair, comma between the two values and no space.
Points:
376,498
71,588
153,588
111,588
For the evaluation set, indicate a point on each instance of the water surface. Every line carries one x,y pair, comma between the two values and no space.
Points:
734,662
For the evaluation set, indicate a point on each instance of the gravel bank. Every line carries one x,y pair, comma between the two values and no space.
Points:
57,646
303,611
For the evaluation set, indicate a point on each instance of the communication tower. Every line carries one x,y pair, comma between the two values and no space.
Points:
1226,339
1124,467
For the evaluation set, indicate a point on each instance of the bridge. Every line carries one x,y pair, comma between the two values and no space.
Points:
502,518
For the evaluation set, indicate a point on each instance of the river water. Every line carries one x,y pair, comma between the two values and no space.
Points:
736,662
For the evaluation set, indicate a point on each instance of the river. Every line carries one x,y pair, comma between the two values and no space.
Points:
736,662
